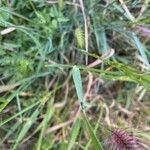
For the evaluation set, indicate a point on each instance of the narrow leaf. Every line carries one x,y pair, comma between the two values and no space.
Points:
78,83
74,134
141,49
26,128
44,124
96,144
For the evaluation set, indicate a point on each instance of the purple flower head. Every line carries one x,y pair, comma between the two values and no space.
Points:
122,140
144,31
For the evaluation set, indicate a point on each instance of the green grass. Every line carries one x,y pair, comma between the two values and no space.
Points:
49,96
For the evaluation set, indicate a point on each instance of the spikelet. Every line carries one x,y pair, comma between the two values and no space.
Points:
122,140
80,37
60,4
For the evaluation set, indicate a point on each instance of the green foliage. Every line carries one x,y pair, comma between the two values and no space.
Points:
96,144
78,86
25,128
74,134
20,66
141,49
44,124
3,104
38,103
78,83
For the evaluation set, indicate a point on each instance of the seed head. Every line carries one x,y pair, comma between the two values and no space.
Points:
122,140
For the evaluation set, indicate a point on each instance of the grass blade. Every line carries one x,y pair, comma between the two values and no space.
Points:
96,144
78,83
141,49
26,128
47,117
74,134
